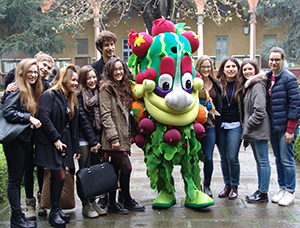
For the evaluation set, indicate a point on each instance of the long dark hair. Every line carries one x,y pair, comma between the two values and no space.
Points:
240,78
222,76
82,75
123,88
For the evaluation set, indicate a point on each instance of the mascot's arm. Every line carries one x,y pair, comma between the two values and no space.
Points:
106,115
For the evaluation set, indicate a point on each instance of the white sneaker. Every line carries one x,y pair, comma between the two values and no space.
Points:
287,199
280,193
89,211
98,209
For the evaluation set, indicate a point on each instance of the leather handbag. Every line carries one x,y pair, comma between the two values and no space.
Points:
67,199
95,180
10,131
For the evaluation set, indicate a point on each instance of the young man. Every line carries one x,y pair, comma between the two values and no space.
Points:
105,43
283,107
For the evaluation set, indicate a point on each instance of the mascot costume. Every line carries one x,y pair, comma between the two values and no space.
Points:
168,111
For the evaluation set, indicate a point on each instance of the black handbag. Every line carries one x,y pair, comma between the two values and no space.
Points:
95,180
10,131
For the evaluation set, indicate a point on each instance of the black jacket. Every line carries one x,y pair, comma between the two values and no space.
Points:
98,66
86,129
52,114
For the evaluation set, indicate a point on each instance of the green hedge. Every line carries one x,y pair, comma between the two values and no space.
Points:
3,176
297,148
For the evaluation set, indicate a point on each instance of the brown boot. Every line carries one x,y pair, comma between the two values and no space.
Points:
30,208
41,211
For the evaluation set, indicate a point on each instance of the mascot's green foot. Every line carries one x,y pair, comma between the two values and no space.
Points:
164,200
200,200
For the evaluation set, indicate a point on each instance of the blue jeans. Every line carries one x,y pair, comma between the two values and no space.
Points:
285,164
260,151
208,145
229,147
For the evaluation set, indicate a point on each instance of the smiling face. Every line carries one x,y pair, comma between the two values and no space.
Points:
44,68
230,70
32,74
108,49
91,80
205,68
72,84
248,71
118,72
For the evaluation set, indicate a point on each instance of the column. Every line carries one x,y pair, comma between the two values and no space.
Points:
200,23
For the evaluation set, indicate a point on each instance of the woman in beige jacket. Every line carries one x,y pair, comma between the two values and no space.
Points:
115,102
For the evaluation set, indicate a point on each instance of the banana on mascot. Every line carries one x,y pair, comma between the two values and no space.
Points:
167,110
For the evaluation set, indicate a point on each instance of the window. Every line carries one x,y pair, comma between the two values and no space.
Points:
82,61
268,39
221,48
128,14
222,8
126,50
61,62
82,47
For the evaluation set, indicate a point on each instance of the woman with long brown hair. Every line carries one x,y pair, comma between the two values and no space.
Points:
115,103
21,106
57,141
231,129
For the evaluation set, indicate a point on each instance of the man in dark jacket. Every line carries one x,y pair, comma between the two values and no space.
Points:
105,43
283,107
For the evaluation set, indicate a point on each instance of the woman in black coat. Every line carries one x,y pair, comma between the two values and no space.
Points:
21,106
57,142
89,129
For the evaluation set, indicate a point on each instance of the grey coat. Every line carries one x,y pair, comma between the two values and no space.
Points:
257,125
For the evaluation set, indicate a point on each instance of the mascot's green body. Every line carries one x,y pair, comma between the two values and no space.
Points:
167,110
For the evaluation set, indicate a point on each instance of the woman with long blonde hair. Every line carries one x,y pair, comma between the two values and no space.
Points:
57,142
21,106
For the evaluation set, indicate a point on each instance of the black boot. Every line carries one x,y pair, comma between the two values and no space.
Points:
64,216
55,192
129,203
207,190
20,221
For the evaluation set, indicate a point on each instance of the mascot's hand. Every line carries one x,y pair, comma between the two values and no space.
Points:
198,84
138,90
148,85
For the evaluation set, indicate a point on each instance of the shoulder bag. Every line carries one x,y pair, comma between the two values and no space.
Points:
95,180
10,131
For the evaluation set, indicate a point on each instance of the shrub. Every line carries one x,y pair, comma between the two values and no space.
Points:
3,176
297,148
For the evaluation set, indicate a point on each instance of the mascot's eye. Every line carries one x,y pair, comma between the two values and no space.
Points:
165,82
174,49
187,81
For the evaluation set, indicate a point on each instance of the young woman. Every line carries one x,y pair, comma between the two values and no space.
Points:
21,106
57,142
231,130
115,103
89,128
45,63
257,127
205,68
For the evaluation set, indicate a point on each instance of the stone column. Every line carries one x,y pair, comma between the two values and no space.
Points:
200,23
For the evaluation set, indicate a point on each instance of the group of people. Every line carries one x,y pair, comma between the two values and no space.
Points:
85,109
255,107
74,114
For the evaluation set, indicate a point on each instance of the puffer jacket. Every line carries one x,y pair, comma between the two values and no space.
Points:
257,125
113,119
285,99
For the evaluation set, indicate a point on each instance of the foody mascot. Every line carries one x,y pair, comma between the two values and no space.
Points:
167,110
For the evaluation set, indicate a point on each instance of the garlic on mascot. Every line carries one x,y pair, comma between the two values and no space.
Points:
167,110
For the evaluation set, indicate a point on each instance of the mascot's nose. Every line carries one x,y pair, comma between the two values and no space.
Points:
179,99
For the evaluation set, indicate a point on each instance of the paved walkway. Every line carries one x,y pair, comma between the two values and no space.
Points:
225,213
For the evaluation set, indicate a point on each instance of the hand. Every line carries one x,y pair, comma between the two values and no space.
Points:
95,149
11,87
59,145
289,137
76,156
35,122
115,146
